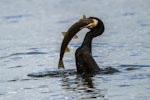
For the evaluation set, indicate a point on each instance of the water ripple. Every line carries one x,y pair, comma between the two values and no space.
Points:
21,79
129,14
24,53
15,16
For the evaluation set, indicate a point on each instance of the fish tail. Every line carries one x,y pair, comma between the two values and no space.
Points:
60,64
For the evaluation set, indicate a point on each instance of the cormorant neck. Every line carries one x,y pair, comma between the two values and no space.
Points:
96,31
87,41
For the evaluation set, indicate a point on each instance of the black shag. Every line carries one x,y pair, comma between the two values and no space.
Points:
85,63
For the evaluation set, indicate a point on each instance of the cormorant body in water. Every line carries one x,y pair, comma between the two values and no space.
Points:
85,63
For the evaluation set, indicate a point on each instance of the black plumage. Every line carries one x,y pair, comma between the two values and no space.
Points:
85,63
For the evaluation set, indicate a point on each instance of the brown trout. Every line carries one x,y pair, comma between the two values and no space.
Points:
75,28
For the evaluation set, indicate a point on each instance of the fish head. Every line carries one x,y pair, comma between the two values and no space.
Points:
91,22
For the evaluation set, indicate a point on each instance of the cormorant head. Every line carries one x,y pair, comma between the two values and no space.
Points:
95,25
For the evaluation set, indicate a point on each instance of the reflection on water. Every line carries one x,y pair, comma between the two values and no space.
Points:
82,87
85,87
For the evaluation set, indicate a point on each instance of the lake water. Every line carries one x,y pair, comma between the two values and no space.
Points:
30,40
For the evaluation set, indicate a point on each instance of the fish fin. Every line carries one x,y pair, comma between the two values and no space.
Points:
67,49
75,37
64,33
84,17
60,64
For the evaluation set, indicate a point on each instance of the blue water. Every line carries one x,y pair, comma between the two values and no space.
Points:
30,40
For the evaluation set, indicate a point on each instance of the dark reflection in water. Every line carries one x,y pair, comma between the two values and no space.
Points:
83,86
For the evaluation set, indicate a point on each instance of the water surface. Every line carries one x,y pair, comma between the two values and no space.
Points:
30,39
